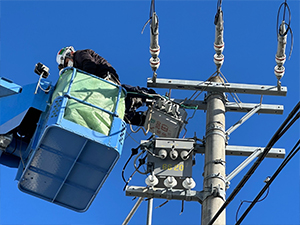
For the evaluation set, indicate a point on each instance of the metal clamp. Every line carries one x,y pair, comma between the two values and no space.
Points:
215,191
215,175
216,161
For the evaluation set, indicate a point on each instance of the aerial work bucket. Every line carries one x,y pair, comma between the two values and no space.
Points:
80,141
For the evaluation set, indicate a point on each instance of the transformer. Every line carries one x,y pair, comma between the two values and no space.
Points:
165,118
171,163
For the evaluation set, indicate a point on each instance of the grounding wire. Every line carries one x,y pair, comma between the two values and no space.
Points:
280,168
273,140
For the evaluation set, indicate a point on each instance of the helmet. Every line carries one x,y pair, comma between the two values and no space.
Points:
63,54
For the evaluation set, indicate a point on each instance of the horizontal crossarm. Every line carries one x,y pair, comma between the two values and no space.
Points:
245,151
234,107
219,87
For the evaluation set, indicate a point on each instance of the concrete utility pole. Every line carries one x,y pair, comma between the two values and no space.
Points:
214,167
213,195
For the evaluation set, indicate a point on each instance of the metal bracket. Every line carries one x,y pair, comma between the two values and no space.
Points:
214,128
242,120
164,193
215,191
235,107
215,175
216,161
244,150
256,153
218,87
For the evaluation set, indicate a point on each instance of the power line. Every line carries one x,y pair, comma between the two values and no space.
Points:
280,168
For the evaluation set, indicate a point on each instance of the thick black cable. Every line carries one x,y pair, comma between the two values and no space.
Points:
283,19
280,168
273,140
134,151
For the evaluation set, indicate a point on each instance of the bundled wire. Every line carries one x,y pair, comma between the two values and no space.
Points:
292,153
289,121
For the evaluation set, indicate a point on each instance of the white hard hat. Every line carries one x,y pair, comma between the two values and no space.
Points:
63,54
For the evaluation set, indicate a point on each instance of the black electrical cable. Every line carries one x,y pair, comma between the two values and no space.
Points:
134,151
283,18
219,4
141,162
280,168
260,200
278,30
152,10
219,12
273,140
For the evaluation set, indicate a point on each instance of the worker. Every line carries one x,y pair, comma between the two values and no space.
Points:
89,61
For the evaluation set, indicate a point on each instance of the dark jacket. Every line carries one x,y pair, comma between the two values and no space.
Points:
89,61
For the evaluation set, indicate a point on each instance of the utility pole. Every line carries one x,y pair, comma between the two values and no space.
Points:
214,145
214,167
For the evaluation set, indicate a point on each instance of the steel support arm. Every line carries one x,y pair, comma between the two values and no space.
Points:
217,87
245,151
164,193
234,107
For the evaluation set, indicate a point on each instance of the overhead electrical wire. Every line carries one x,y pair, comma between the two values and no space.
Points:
289,121
292,153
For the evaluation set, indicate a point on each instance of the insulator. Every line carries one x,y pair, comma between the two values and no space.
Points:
279,71
219,43
175,109
162,153
154,46
219,48
280,56
159,103
154,52
184,155
151,180
218,60
189,183
168,106
282,40
280,60
170,182
173,154
154,63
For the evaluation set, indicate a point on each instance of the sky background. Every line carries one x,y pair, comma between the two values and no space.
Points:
34,31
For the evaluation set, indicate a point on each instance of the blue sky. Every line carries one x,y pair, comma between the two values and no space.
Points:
34,31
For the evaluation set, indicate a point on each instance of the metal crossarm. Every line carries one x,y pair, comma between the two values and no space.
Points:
219,87
234,107
164,193
245,151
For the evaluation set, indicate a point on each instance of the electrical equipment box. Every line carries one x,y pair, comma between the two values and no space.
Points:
165,118
171,158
